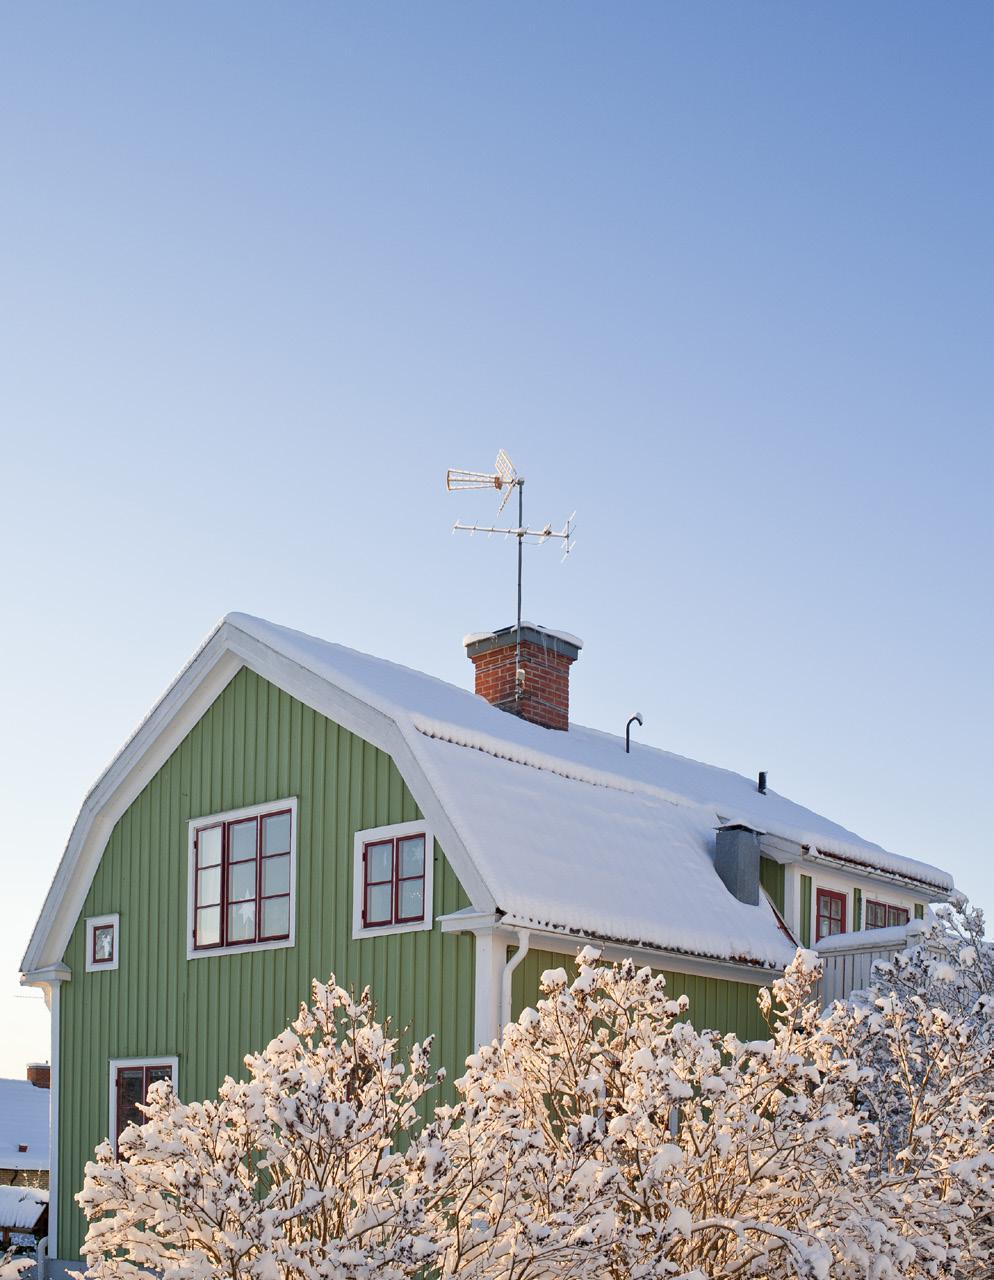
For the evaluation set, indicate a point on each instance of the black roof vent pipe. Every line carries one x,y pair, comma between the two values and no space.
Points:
635,719
761,784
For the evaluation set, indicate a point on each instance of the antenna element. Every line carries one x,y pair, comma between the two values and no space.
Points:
505,479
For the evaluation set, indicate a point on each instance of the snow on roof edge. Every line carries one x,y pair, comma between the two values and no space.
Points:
524,922
503,749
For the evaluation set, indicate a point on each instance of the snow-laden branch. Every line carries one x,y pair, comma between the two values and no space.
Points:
603,1136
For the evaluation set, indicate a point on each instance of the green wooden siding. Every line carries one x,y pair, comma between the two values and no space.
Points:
255,744
806,911
714,1002
857,910
771,876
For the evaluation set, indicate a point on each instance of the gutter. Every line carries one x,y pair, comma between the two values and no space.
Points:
563,942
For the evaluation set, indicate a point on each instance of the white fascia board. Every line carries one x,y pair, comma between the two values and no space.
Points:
198,685
864,875
468,920
787,852
506,929
655,958
791,852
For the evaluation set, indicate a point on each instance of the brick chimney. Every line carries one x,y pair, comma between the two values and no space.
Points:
541,693
40,1075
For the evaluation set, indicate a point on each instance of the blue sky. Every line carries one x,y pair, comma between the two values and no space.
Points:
718,277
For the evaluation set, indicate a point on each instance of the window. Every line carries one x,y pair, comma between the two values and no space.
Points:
831,914
880,915
130,1081
242,877
393,879
102,934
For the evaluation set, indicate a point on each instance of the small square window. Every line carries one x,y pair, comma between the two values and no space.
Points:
102,943
393,880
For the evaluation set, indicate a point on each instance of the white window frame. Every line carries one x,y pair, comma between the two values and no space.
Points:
146,1060
391,832
233,815
93,923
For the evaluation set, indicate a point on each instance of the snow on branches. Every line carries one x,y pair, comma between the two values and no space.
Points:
601,1136
292,1172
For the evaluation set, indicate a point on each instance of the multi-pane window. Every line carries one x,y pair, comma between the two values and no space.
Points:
881,915
393,881
131,1084
831,914
242,869
103,944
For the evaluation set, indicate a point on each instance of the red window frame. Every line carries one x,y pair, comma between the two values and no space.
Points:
103,928
228,858
891,915
828,896
395,880
125,1112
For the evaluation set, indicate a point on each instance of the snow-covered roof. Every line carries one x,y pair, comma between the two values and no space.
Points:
557,830
21,1207
23,1122
568,830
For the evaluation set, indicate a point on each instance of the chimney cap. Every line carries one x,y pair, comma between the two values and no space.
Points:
560,641
40,1075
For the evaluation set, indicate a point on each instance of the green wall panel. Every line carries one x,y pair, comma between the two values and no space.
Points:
857,909
714,1002
806,911
255,744
771,877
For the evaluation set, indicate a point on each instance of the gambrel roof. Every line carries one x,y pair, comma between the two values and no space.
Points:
561,831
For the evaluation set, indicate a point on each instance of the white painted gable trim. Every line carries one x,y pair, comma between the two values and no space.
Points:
184,703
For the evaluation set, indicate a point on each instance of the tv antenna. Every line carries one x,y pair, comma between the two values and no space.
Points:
505,479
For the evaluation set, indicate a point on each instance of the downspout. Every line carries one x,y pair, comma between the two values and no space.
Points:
524,941
52,1243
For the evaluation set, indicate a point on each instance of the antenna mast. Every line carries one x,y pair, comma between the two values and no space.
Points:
504,478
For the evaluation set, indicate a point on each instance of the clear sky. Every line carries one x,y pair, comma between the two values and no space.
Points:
717,276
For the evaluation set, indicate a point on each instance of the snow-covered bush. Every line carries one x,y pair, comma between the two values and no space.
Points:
605,1136
14,1265
923,1035
292,1172
602,1136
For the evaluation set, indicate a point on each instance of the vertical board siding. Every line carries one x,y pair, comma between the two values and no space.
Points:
806,911
715,1003
857,910
253,745
771,877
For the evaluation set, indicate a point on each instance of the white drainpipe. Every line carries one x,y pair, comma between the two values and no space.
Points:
524,940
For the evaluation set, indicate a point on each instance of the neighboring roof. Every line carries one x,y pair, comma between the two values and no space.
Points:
21,1207
558,830
23,1122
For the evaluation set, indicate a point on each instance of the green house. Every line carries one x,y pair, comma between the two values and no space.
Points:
291,808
